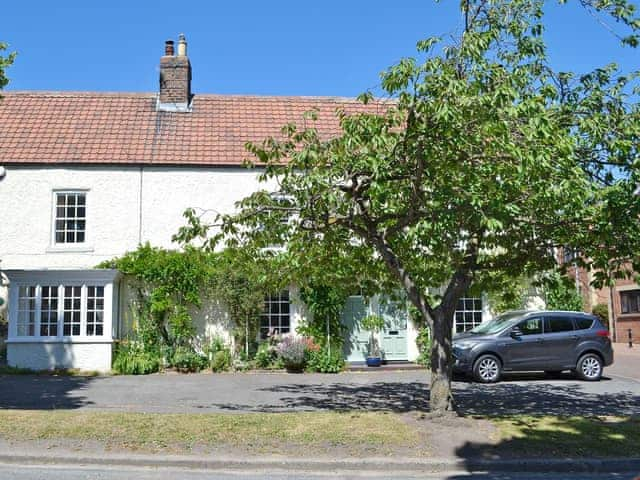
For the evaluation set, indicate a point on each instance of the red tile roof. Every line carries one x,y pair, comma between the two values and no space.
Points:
124,128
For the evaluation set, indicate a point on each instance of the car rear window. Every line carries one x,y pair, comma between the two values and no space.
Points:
557,324
583,323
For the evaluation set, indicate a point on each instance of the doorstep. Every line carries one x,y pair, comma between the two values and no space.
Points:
387,366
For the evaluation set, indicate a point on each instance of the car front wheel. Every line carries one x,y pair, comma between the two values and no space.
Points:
589,367
487,369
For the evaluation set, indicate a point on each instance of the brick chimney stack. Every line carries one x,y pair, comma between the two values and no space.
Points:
175,78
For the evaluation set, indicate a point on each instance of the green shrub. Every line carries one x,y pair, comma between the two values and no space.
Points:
221,361
185,359
424,347
131,359
323,362
218,354
265,356
216,344
601,310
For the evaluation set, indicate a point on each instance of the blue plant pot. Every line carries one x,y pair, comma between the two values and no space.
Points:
374,361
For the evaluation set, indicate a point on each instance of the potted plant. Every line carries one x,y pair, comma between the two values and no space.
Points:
375,324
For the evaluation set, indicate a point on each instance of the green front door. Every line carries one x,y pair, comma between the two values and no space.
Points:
357,340
394,335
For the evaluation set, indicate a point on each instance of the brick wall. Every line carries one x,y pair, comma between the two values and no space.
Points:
175,80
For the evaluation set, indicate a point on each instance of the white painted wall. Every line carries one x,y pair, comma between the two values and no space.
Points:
125,206
52,355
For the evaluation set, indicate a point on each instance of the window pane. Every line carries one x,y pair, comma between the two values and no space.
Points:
72,310
468,314
531,326
275,317
49,311
70,219
26,323
583,323
558,324
630,301
95,310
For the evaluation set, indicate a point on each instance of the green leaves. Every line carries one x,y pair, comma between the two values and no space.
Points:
5,61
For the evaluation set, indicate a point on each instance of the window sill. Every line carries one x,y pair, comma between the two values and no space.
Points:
629,316
60,340
69,249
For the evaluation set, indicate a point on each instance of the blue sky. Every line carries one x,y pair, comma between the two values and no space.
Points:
273,47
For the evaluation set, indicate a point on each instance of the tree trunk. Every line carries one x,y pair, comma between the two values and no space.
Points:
441,397
439,320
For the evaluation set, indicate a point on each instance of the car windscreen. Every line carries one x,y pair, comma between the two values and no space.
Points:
497,324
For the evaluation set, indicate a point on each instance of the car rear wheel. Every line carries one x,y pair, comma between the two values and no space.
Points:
589,367
487,369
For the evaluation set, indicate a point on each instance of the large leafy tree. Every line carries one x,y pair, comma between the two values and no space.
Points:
480,163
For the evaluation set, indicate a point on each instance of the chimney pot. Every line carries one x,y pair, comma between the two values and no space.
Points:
182,45
168,48
175,78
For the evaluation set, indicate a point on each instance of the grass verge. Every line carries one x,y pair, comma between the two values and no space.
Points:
554,436
307,433
328,434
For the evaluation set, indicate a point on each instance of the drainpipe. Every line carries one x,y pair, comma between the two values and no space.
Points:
612,316
4,280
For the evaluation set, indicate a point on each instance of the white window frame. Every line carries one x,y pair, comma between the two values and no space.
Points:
62,279
473,311
268,300
68,246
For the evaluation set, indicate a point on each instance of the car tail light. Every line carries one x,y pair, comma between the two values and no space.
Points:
602,333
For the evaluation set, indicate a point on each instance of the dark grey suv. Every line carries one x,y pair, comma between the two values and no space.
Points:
534,340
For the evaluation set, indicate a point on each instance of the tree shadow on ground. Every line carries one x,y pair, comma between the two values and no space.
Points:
555,397
43,392
543,398
557,438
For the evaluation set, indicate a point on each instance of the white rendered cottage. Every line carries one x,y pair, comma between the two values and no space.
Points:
90,176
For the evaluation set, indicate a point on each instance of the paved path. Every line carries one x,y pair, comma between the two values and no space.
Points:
397,391
126,473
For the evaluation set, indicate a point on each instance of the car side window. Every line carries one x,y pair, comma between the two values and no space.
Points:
583,323
531,326
557,324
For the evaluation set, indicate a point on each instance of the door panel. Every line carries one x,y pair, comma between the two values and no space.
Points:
394,335
560,341
526,352
357,339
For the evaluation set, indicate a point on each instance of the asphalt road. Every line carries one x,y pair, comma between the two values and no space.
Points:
396,391
76,473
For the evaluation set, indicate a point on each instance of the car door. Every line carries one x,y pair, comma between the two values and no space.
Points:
525,351
560,341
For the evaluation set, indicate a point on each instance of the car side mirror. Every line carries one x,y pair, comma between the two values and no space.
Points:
516,332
